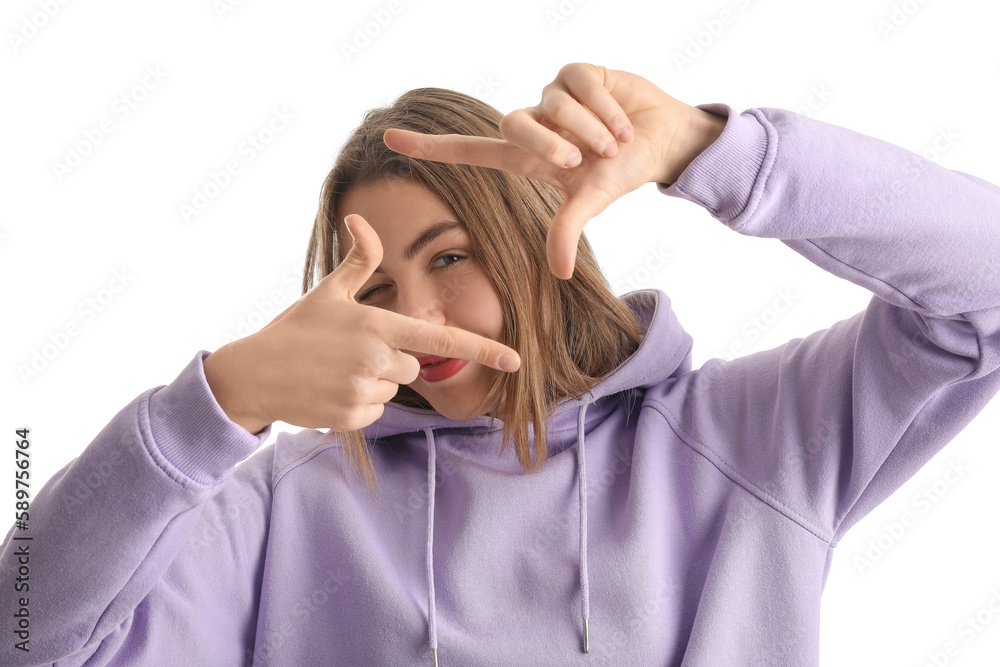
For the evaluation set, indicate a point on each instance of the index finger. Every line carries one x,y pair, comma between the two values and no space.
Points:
477,151
459,149
402,332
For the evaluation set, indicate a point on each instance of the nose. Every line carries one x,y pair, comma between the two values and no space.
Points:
421,301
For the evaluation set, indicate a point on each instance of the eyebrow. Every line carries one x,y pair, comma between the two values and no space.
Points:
428,236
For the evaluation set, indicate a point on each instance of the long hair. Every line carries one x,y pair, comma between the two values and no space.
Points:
568,333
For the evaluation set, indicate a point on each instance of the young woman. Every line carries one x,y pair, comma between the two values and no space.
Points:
520,467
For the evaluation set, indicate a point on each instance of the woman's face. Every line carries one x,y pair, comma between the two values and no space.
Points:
441,282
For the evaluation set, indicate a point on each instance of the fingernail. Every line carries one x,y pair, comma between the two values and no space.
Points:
625,134
509,363
574,159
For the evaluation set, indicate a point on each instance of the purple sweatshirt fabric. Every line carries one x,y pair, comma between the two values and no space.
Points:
690,516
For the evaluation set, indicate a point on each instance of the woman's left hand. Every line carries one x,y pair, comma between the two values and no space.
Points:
621,129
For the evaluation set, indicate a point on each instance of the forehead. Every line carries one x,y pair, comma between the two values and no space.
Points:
402,212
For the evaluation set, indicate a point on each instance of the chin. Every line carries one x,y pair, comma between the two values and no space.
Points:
455,414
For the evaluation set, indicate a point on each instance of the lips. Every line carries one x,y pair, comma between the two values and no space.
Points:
430,359
441,368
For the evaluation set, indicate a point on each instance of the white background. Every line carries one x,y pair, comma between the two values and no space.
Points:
226,69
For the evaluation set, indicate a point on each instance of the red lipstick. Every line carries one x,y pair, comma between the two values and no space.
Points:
435,369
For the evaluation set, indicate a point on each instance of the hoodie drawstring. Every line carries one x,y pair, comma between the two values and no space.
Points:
584,580
431,607
582,483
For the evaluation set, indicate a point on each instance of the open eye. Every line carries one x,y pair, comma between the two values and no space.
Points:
453,256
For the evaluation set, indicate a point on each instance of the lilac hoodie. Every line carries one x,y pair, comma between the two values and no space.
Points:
686,517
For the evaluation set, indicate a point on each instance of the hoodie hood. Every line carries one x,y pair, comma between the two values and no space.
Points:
664,352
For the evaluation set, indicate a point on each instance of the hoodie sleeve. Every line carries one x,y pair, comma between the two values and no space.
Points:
147,540
826,427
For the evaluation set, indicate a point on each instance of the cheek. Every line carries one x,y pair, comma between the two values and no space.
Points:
483,304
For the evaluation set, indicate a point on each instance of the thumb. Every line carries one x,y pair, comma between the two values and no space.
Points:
361,261
563,238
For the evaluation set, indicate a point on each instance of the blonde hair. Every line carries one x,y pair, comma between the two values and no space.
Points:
569,333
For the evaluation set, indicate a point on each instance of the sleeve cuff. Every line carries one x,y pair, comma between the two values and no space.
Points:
191,430
722,177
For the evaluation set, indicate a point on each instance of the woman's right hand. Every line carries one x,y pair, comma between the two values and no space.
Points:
327,361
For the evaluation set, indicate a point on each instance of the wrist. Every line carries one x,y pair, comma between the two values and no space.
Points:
699,131
229,384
